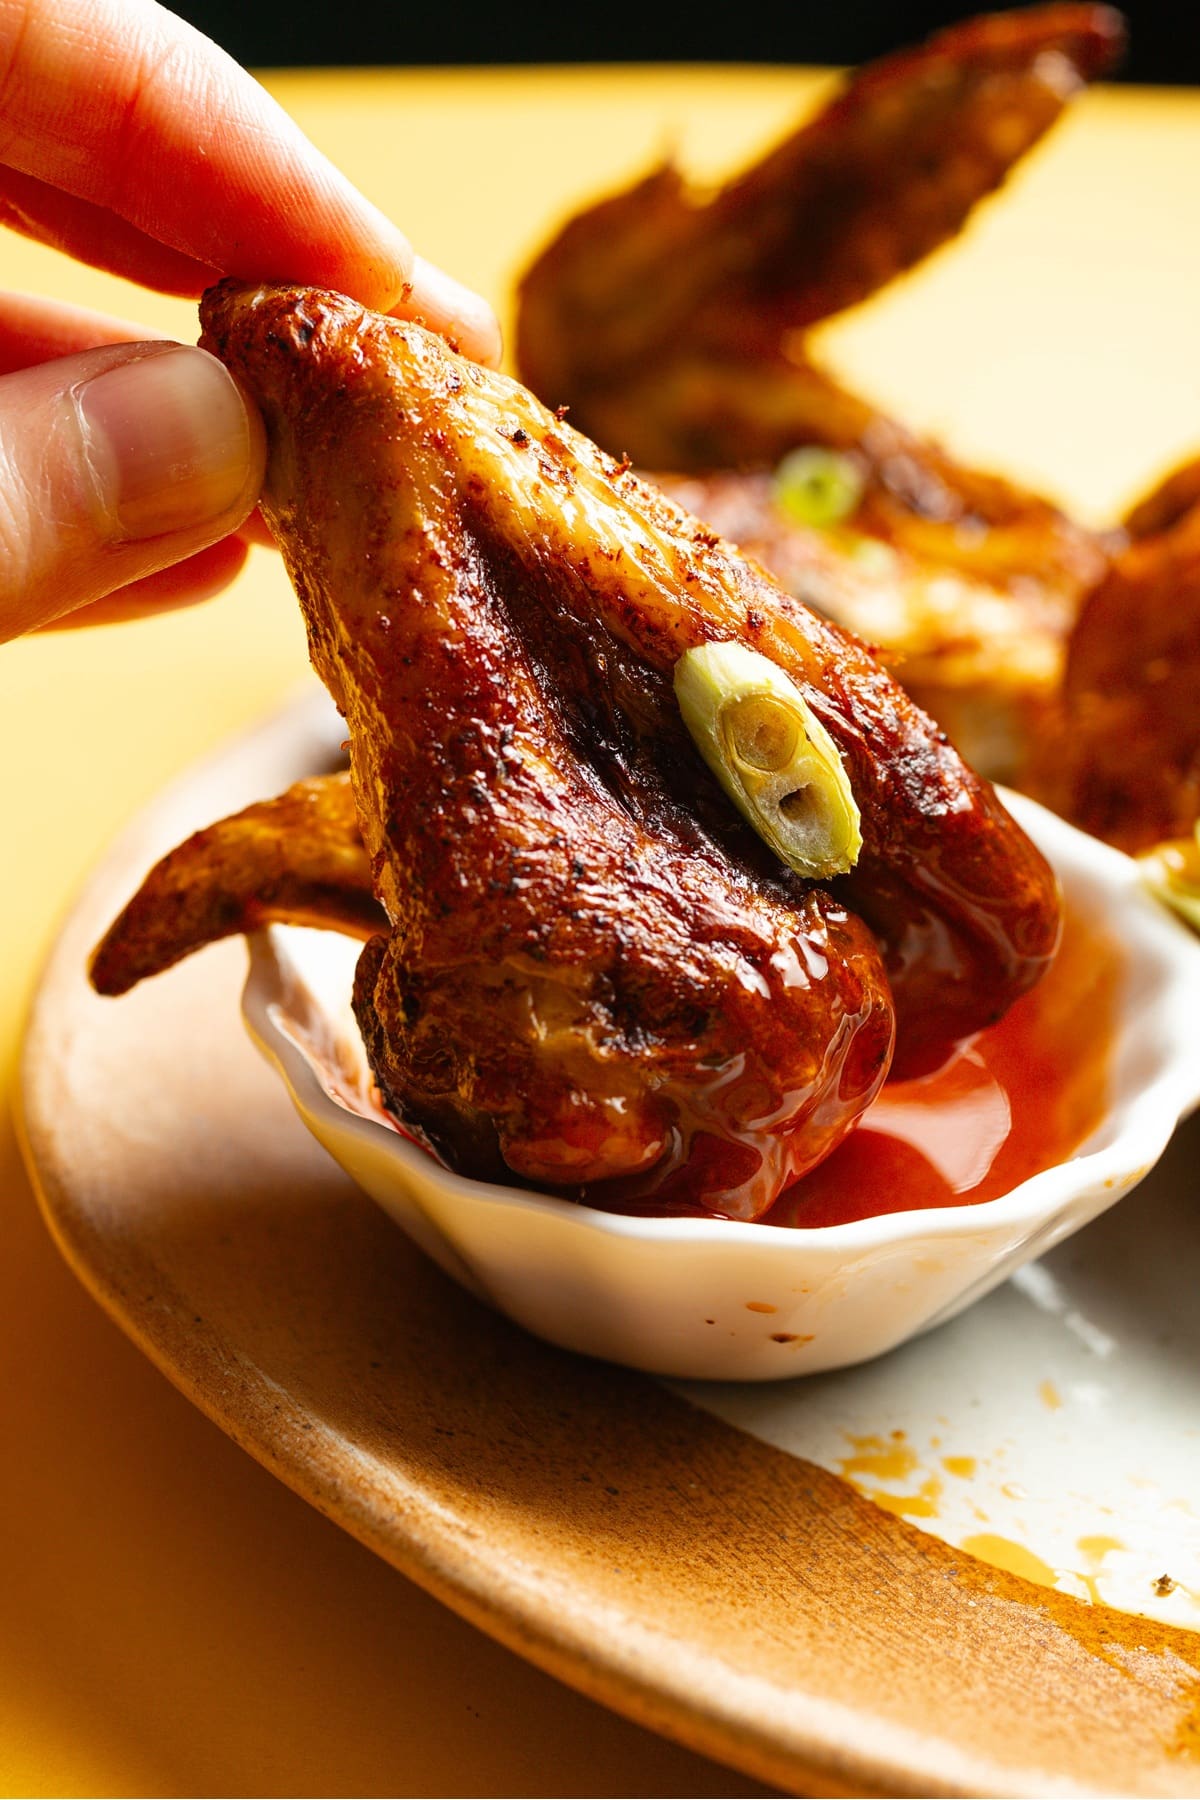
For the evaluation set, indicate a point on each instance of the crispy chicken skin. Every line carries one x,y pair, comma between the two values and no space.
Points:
596,977
297,859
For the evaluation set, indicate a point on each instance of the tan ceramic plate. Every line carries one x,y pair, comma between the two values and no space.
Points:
707,1581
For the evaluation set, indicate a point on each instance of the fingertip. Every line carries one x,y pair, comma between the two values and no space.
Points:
122,462
454,310
199,577
380,267
488,340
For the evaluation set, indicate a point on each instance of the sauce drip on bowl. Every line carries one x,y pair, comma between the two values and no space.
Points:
1011,1101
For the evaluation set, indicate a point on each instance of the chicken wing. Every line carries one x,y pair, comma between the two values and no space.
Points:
657,285
596,976
1121,754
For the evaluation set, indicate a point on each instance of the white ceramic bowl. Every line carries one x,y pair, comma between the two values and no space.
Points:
713,1298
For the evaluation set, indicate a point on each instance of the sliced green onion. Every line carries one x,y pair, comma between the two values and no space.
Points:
772,755
1172,871
817,487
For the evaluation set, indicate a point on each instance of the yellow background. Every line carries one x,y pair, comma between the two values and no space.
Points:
172,1621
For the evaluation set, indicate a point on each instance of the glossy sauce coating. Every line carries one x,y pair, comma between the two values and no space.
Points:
1015,1099
1019,1098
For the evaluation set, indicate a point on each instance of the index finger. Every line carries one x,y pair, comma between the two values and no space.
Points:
126,107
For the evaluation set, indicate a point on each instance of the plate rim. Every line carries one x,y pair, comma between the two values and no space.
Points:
432,1554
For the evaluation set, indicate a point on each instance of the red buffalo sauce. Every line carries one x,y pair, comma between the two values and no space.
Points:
1015,1099
1011,1101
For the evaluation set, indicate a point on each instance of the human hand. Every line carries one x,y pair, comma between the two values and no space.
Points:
129,470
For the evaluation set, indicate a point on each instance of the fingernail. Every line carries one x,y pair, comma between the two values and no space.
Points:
167,441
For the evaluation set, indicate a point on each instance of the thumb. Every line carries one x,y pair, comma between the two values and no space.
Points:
114,464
